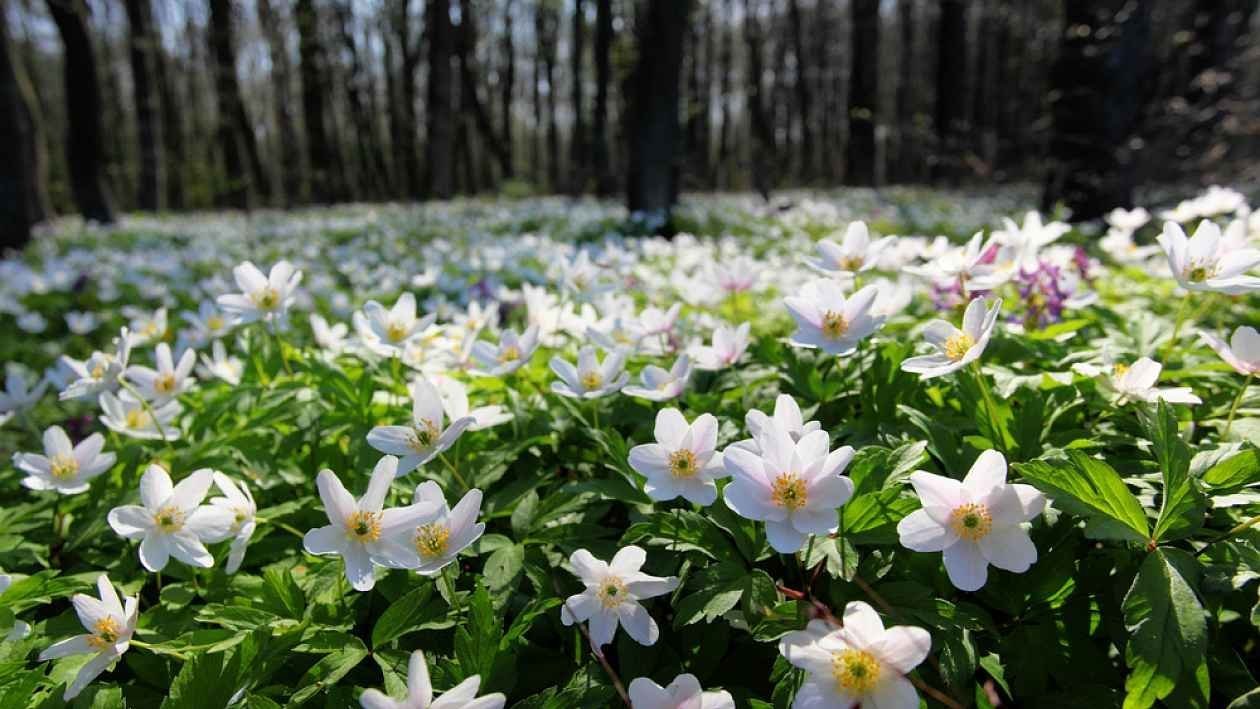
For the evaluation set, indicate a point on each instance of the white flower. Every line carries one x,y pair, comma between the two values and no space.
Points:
1127,220
442,533
612,595
1200,264
510,354
221,366
208,323
127,415
171,521
683,693
661,385
655,321
1024,242
455,401
98,373
729,344
267,298
855,254
18,395
827,320
426,437
109,622
794,487
1135,382
1243,351
63,467
360,531
617,332
395,327
81,323
166,382
682,462
238,501
1120,246
331,338
589,379
979,521
956,348
861,662
787,416
420,692
477,317
147,328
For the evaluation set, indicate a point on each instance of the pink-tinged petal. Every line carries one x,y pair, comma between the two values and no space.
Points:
628,560
830,492
1246,346
465,512
816,521
1031,500
638,623
973,318
704,431
338,503
813,446
376,699
587,567
988,472
918,531
938,332
1009,548
670,428
1224,351
967,568
155,487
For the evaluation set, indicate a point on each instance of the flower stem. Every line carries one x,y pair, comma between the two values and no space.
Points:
454,471
1181,320
1238,529
1233,409
148,408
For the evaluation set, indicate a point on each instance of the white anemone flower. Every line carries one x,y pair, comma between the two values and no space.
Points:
979,521
396,326
860,663
590,379
1134,382
18,394
171,521
169,380
826,319
420,692
1242,352
147,328
512,352
97,373
1129,220
239,502
1201,264
787,416
222,366
682,462
455,401
64,467
442,532
109,621
330,337
613,592
427,436
266,298
657,384
855,254
683,693
956,348
728,345
794,487
208,323
360,531
128,415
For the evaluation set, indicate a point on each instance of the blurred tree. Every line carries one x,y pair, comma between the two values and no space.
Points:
319,153
23,199
292,189
860,166
144,87
951,72
440,146
246,178
577,144
600,158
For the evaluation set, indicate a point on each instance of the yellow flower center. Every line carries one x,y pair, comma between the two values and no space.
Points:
98,371
612,592
683,464
150,329
592,380
788,491
432,540
104,633
169,519
214,323
971,521
1199,272
957,345
851,263
509,353
426,435
364,526
164,384
396,332
137,419
1119,370
267,298
834,325
63,466
856,671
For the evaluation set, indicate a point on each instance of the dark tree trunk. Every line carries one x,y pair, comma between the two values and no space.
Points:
863,94
23,201
985,98
603,78
725,59
311,56
144,58
951,87
907,150
234,133
469,97
1100,84
291,187
652,184
507,86
440,143
358,95
803,97
548,35
85,134
577,176
405,137
763,171
172,131
538,171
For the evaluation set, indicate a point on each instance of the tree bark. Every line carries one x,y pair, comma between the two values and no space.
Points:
235,136
23,201
311,56
172,111
85,134
358,94
801,86
863,94
603,78
470,98
725,60
763,171
652,185
951,88
507,86
440,143
907,150
578,166
291,187
405,137
144,57
548,31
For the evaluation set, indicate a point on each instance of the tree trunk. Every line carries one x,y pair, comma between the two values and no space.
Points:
440,144
144,57
577,170
1099,82
469,97
907,150
85,134
291,187
951,87
358,95
547,40
863,94
652,185
23,201
603,78
803,98
763,172
405,138
232,138
725,56
172,110
507,86
311,56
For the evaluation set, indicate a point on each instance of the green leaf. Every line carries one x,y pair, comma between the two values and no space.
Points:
715,590
205,680
1087,486
325,673
504,567
282,593
1181,512
1168,632
1250,700
1235,471
872,518
406,615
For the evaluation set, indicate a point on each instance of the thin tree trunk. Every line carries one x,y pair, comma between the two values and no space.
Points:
291,187
951,71
863,94
371,157
318,150
549,22
85,134
507,87
803,98
907,150
144,56
440,144
763,173
469,98
725,67
577,176
234,133
406,137
603,78
23,201
172,131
